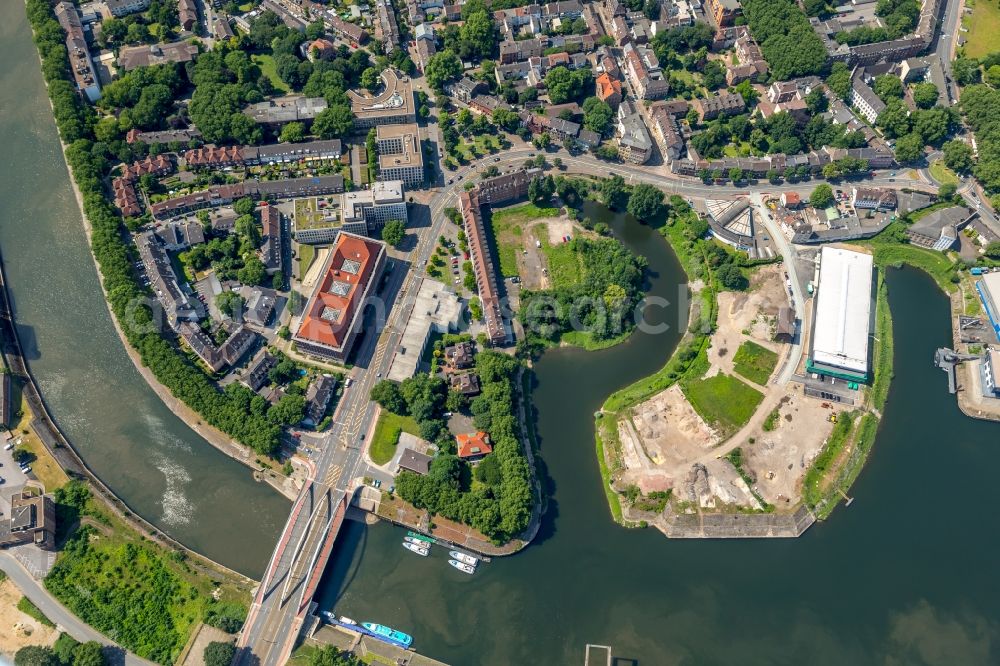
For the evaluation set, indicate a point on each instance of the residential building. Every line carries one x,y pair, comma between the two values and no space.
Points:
131,57
214,157
425,50
80,62
349,31
333,315
506,187
609,90
273,248
258,374
318,397
32,520
843,315
394,105
461,356
643,70
120,8
939,229
724,11
278,153
166,136
187,14
228,354
367,211
386,28
123,187
473,446
283,110
791,200
260,307
221,28
487,104
482,262
177,304
465,89
320,49
872,198
722,104
414,461
634,143
220,195
863,97
667,131
518,51
466,383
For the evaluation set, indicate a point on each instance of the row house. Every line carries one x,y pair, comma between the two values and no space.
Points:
187,14
758,167
162,137
487,104
483,266
352,32
519,51
177,304
214,157
556,127
644,71
387,26
873,198
272,249
465,89
635,146
216,358
674,14
863,97
667,130
723,104
123,187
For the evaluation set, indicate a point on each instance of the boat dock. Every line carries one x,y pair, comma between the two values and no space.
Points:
349,638
444,543
947,360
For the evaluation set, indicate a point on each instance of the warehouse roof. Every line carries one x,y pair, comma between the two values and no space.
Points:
843,309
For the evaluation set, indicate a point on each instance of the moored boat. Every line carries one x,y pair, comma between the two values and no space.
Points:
421,537
388,633
463,557
416,542
414,548
462,566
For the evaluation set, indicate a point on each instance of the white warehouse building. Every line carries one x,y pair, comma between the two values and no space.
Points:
843,315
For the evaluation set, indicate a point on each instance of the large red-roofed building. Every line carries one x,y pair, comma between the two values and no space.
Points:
473,445
332,317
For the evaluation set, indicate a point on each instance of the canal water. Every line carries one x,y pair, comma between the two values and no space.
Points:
906,575
161,468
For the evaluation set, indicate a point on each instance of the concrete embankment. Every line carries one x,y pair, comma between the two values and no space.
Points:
66,455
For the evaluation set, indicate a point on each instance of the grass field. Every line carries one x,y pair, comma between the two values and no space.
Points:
984,29
724,401
307,254
942,174
267,68
484,144
755,362
387,435
507,226
565,264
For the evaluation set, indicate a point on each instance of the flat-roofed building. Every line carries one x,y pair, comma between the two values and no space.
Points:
990,369
367,211
332,317
989,292
724,11
399,154
286,109
32,520
131,57
119,8
393,105
843,315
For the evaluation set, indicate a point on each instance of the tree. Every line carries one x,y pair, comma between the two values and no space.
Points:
334,122
822,196
243,206
564,85
293,132
888,86
394,232
958,156
331,656
646,202
730,277
816,101
442,68
253,272
925,95
315,30
613,191
714,75
219,653
597,115
839,80
288,411
477,35
909,148
90,653
246,227
370,79
947,191
894,119
229,303
388,395
35,655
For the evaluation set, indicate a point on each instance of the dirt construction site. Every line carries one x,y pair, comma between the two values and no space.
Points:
666,444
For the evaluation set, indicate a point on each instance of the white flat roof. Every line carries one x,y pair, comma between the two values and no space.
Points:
843,309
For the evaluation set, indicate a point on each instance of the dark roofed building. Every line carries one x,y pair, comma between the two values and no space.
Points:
460,356
318,397
466,383
413,461
32,521
257,376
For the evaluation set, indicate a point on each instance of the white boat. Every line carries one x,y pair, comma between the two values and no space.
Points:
463,557
462,566
343,619
413,548
416,542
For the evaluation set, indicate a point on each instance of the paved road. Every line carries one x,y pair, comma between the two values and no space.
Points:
55,611
275,617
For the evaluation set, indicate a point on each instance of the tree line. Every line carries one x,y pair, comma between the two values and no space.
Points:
88,161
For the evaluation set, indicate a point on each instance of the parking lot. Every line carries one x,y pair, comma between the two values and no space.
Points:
13,478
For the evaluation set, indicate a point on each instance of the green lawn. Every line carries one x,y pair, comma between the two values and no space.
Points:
724,401
754,362
942,174
307,254
984,29
387,432
266,64
565,264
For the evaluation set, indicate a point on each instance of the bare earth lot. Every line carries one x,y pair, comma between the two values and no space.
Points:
17,629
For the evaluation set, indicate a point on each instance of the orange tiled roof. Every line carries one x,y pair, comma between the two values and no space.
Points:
328,316
607,86
473,444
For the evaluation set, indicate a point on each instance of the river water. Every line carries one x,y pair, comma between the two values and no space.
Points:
162,469
906,575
